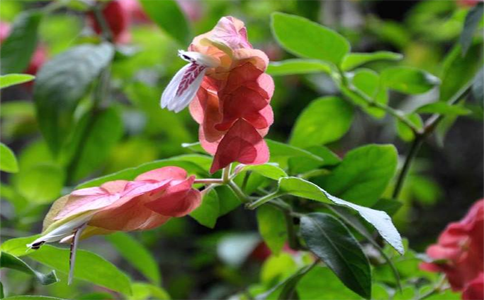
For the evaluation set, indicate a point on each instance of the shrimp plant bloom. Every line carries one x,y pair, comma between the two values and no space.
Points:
228,92
144,203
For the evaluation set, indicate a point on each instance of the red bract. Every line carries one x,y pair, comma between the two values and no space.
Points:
229,93
459,251
117,17
474,290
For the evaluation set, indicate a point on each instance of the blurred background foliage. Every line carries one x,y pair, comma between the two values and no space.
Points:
194,261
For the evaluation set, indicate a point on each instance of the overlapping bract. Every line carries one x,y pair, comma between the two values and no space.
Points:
147,202
232,104
459,253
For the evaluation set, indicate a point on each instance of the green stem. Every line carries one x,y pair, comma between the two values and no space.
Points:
412,153
240,194
262,200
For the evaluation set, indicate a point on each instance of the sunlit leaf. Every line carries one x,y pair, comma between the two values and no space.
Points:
267,170
334,244
443,108
409,80
8,161
14,79
354,60
41,183
308,39
405,132
297,66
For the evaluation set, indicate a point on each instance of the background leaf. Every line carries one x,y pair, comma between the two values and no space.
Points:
334,244
61,83
297,66
307,39
409,80
354,60
8,161
19,46
41,183
272,227
474,16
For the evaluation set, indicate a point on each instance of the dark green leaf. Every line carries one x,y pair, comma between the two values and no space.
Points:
443,108
474,16
18,47
272,227
388,205
208,212
378,219
318,125
137,255
168,15
12,262
14,79
8,161
409,80
297,66
354,60
227,199
61,83
308,39
334,244
478,87
363,175
459,71
92,141
89,266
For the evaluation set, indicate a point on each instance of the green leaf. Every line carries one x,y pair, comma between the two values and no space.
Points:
32,297
92,141
208,212
142,291
354,60
443,108
405,132
378,219
474,16
41,183
272,227
169,17
18,47
459,71
307,39
388,205
321,283
478,87
8,162
369,83
89,266
409,80
297,66
18,246
61,83
12,262
325,120
137,255
363,175
14,79
298,165
334,244
267,170
131,173
281,153
228,201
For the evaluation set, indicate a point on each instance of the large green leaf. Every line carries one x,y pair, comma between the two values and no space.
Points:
61,83
334,244
459,71
281,153
8,161
354,60
41,183
12,262
272,227
409,80
168,15
297,66
378,219
474,16
32,297
137,255
18,47
89,266
14,79
92,141
363,175
325,120
308,39
208,212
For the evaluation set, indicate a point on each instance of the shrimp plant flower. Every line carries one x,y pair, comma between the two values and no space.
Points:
228,94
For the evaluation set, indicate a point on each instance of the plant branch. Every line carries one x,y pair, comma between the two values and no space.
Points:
240,194
262,200
412,153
